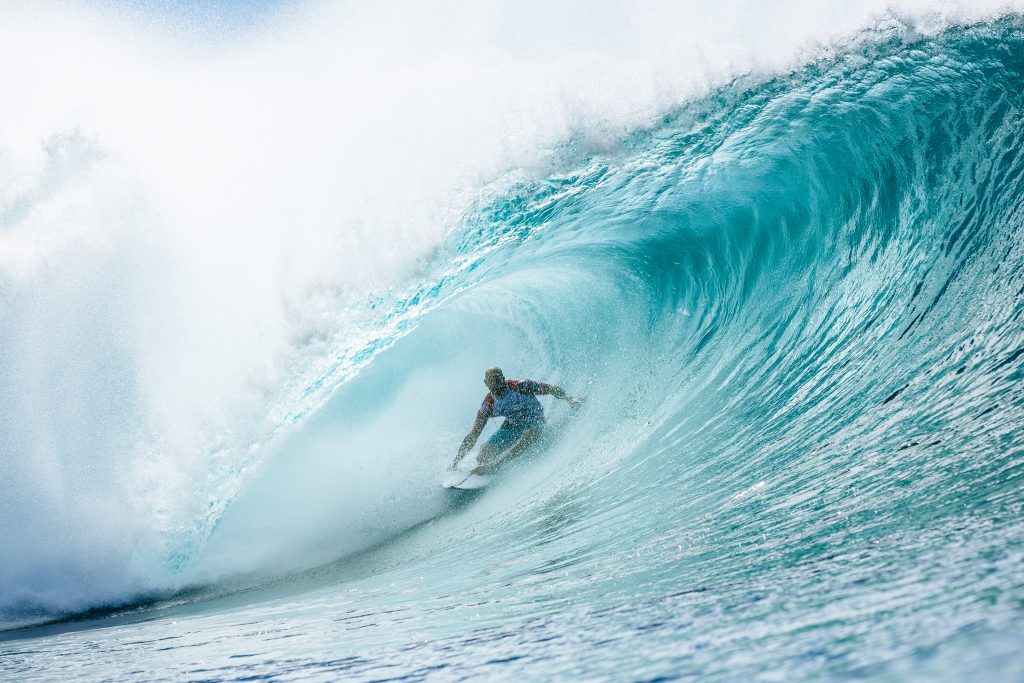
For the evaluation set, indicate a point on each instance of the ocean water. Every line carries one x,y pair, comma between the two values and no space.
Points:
250,279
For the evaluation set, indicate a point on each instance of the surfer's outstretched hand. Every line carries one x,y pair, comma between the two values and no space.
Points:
576,401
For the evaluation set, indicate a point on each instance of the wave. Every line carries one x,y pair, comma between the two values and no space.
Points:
794,301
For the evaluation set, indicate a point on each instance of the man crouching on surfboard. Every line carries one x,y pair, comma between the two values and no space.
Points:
516,401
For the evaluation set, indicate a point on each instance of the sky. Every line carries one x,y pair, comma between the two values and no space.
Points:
196,18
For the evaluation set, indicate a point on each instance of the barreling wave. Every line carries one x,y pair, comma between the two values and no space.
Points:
795,305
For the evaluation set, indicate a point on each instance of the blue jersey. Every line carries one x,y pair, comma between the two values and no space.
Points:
518,405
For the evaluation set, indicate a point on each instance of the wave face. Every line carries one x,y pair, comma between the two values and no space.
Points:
794,304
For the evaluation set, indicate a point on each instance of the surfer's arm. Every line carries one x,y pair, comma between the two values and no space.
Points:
528,386
559,392
467,444
482,416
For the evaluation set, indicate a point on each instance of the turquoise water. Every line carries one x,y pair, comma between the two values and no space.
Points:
795,307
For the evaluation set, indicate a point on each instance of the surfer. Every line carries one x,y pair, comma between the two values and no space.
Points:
516,401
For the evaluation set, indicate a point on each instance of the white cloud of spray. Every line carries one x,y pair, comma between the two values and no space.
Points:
182,214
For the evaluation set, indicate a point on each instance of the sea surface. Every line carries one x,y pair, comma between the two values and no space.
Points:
244,324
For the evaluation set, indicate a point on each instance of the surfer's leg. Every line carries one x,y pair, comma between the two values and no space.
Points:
488,454
506,443
521,444
491,450
528,436
492,453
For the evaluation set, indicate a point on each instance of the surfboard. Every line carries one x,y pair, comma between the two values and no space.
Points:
466,481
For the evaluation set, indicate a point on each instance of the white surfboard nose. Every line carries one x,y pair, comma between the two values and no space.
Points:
465,481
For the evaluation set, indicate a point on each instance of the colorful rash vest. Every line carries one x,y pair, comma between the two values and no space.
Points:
519,406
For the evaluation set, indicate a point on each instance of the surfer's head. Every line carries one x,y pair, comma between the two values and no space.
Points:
494,378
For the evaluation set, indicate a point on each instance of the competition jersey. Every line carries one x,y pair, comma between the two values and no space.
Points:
519,405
